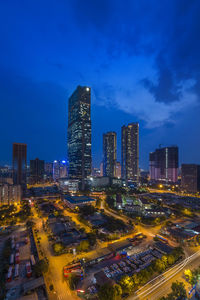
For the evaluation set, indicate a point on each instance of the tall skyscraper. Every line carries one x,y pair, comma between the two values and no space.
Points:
163,164
190,177
130,152
19,163
79,133
109,154
36,170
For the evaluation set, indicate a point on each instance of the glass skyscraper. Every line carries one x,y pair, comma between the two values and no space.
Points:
109,154
79,133
130,152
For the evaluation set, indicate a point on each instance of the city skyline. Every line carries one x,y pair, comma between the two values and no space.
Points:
139,79
99,164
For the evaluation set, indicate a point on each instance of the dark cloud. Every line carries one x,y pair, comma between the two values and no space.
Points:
168,30
166,89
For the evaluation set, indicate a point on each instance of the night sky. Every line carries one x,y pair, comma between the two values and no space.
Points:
140,58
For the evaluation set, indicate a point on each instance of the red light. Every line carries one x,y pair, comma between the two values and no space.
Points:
80,291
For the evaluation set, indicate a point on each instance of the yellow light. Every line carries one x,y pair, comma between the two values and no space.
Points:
160,185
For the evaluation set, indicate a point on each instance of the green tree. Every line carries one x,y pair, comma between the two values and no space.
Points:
170,259
143,277
58,248
109,292
135,279
92,238
40,267
178,290
159,265
165,260
126,284
83,246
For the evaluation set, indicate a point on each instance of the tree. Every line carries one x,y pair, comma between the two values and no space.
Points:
178,290
143,276
164,260
170,259
159,265
83,246
40,267
118,291
126,284
58,248
109,292
135,279
92,238
188,275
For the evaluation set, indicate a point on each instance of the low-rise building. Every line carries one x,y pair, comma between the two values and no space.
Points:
163,248
73,201
105,181
119,247
69,185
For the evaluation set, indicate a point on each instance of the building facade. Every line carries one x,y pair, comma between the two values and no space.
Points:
109,154
10,194
118,170
79,133
130,152
190,177
48,170
36,170
163,164
19,163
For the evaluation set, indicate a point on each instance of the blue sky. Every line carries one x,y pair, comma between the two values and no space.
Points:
140,58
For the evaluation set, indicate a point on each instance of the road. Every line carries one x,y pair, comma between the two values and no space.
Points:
161,285
56,263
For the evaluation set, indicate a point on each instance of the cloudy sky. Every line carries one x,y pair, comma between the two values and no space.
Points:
140,58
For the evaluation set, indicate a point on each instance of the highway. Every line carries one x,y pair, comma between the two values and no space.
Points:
161,285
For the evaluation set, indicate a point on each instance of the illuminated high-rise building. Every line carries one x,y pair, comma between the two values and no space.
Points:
19,163
59,169
190,177
130,152
109,154
36,170
163,164
79,133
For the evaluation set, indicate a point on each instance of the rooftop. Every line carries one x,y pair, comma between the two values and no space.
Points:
78,199
120,245
163,247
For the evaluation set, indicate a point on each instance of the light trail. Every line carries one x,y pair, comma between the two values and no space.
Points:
175,270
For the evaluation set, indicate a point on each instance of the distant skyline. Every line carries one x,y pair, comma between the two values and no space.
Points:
141,61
